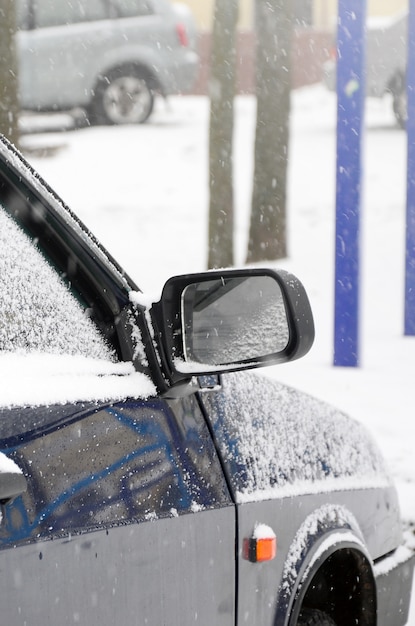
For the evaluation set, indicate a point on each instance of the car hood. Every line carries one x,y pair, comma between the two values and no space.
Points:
277,441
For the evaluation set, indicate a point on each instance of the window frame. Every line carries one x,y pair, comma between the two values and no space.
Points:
38,14
93,284
115,6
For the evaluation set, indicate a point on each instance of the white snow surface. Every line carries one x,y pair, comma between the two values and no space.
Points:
45,379
8,465
401,555
144,192
330,515
46,318
263,531
280,446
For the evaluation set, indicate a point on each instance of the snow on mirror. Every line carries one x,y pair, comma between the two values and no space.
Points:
233,320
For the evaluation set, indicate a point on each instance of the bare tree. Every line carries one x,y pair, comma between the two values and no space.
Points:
9,107
222,91
267,236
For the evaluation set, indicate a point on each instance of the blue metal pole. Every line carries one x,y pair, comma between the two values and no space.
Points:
350,123
409,322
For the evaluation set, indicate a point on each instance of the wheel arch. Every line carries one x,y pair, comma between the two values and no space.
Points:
326,568
135,67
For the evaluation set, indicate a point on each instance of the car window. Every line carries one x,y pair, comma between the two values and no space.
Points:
132,8
121,463
58,12
38,313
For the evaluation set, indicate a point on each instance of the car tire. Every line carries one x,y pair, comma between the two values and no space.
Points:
123,96
314,617
400,104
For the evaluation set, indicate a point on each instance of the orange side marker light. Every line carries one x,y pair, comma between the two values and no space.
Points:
261,546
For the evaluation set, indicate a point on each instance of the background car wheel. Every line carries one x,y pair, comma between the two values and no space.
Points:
314,617
123,97
400,104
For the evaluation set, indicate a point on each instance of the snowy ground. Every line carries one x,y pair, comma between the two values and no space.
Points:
143,191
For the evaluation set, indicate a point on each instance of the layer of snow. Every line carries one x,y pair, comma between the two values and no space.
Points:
37,310
8,465
43,379
263,531
144,192
289,441
402,554
328,515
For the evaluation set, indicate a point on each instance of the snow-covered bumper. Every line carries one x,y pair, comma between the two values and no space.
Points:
394,576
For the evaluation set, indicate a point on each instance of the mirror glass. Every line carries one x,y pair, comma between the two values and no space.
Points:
232,320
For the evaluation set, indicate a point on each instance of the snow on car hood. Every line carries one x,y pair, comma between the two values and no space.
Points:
36,379
278,442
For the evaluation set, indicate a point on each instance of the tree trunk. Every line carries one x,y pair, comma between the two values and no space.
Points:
267,236
222,90
9,107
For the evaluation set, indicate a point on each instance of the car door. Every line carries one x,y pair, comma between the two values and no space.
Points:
118,523
127,516
60,47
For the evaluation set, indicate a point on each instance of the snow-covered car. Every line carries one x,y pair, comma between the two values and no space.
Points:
385,62
147,476
108,57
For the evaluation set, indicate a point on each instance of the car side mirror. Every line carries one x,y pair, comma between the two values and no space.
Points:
232,320
228,320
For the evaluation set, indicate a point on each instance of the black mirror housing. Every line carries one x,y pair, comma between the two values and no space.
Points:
229,320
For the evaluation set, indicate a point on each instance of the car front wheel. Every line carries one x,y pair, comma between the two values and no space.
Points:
122,97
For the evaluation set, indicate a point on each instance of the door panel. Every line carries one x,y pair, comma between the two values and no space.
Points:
135,501
170,571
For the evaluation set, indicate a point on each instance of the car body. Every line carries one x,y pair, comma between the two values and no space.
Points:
108,57
147,476
386,54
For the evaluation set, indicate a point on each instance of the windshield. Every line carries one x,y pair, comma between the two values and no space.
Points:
37,310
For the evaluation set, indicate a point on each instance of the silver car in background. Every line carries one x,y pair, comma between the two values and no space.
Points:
385,62
109,57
